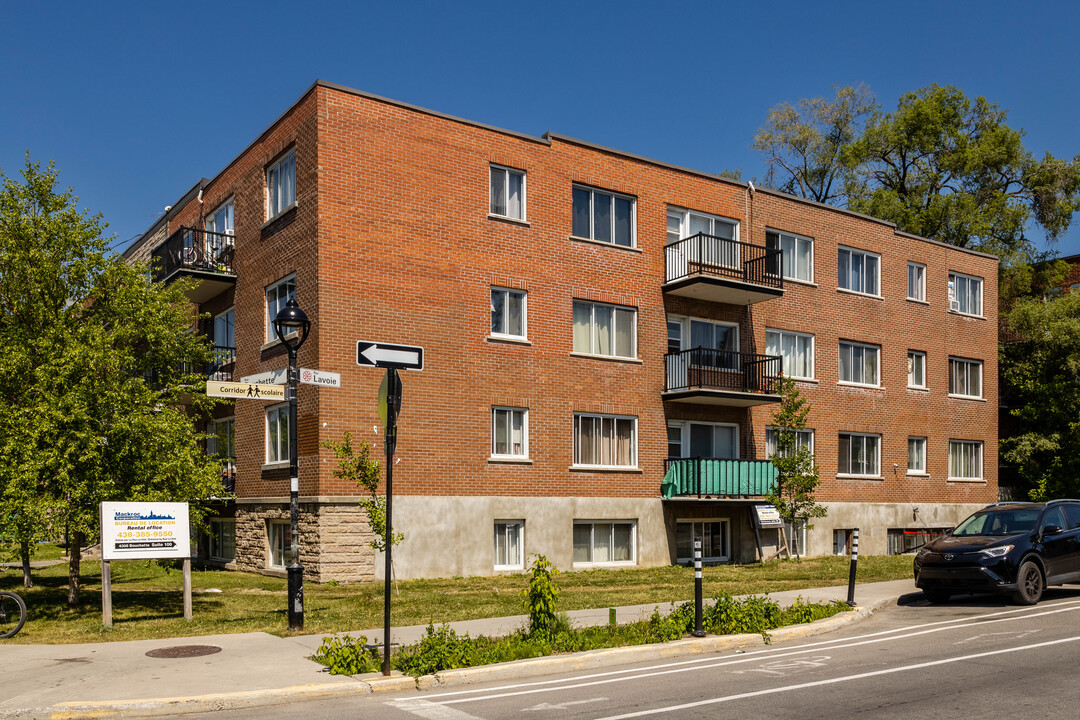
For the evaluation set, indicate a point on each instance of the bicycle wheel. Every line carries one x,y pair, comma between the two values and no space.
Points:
12,614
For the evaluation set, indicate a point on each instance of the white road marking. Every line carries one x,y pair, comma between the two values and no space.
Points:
834,681
573,683
1015,634
430,710
781,668
543,707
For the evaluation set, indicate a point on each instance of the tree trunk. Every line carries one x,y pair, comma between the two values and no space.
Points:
24,555
795,542
74,556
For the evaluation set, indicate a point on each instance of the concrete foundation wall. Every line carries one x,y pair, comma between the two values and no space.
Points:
875,519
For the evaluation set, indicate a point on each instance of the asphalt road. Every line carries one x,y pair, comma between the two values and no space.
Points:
973,658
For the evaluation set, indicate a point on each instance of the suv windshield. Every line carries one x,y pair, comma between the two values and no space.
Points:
998,522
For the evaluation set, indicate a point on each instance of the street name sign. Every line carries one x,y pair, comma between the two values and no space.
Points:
144,531
245,391
386,355
322,378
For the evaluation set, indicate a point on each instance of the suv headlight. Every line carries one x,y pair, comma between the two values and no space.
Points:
923,552
996,552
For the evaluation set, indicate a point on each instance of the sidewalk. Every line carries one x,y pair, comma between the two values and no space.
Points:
251,666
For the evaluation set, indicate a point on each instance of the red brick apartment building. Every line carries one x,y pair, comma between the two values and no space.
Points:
593,322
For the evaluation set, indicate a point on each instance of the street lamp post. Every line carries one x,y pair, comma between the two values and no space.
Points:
292,326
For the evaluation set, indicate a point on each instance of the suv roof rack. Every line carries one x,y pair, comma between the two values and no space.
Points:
1061,500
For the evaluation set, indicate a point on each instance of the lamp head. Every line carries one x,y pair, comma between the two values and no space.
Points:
291,319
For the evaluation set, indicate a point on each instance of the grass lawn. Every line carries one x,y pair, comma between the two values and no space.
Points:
147,600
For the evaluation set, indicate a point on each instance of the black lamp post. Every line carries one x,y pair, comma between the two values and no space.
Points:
292,326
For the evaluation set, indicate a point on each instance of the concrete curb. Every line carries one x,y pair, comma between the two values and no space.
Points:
363,685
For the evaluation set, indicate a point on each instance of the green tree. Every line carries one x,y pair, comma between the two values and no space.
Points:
1040,382
97,363
797,475
949,168
807,145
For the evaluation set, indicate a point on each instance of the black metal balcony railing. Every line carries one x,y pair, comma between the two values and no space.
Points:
721,370
228,475
191,249
712,255
717,477
221,363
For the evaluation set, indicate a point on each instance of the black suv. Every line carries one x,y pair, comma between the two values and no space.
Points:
1012,547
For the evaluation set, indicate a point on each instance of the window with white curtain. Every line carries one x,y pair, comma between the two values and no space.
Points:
965,377
916,281
916,369
796,351
509,544
508,316
860,454
605,440
277,295
803,439
965,460
509,432
719,248
507,192
281,185
859,363
859,271
602,329
965,294
603,216
277,433
604,542
221,220
797,254
279,537
916,455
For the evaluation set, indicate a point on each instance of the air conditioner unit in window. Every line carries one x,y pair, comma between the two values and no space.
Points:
954,306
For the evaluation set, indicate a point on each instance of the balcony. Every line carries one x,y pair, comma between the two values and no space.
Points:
221,364
707,267
200,254
228,476
706,376
715,478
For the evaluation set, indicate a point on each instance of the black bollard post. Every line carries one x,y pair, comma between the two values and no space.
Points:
698,631
854,562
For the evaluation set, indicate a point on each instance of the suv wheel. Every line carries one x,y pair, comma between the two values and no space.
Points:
1029,584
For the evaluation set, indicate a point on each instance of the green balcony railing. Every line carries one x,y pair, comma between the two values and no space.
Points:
700,477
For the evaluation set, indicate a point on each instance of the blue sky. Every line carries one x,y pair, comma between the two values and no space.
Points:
134,102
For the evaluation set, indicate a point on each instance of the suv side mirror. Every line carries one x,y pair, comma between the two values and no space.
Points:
1052,530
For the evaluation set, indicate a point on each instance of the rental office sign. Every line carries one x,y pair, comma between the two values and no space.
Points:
145,531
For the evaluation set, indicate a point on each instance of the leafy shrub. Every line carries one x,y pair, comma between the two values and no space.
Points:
439,649
346,655
802,612
752,614
540,599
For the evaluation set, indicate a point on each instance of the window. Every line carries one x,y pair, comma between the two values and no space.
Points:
916,369
507,192
508,313
703,440
222,435
965,377
603,216
965,294
509,432
509,542
796,351
859,454
797,254
221,220
281,185
222,539
902,541
797,533
277,433
605,440
842,540
604,542
691,333
279,534
859,271
916,282
965,460
803,439
859,363
601,329
225,329
916,456
276,296
714,536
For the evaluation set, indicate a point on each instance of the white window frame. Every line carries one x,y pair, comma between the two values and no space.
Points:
959,304
802,437
796,336
505,294
725,522
511,411
852,252
877,455
506,524
506,173
277,414
592,542
277,533
683,427
593,192
210,224
968,363
278,201
215,539
593,335
912,381
273,306
683,216
977,445
212,427
921,442
920,281
864,346
795,242
578,416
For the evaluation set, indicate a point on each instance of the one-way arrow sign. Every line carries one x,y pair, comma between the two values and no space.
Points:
385,355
